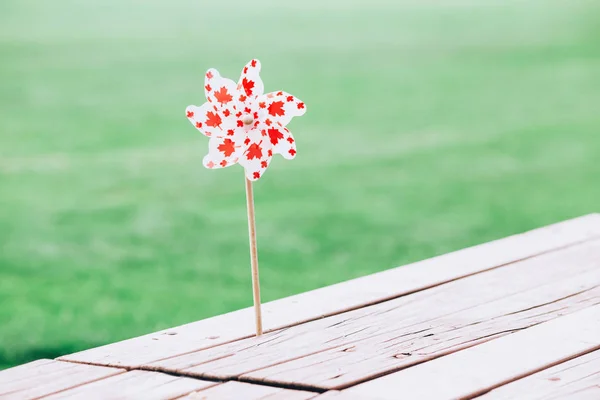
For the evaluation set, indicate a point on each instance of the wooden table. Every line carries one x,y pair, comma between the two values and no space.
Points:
517,318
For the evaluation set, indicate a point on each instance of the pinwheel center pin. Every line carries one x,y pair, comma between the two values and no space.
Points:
232,142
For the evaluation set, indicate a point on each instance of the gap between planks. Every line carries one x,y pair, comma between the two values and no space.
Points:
209,379
61,380
472,261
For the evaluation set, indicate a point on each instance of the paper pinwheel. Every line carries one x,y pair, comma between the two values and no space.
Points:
246,127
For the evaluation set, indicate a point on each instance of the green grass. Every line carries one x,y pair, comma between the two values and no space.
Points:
431,126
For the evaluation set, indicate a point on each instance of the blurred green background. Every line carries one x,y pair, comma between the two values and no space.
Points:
431,126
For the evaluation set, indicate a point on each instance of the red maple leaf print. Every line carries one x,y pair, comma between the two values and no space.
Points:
239,114
268,122
256,175
289,98
253,63
240,123
263,132
276,108
290,139
275,135
280,93
246,141
223,163
209,75
300,106
245,70
198,124
223,96
254,151
247,110
213,119
292,152
189,114
210,164
230,132
263,164
227,147
242,98
248,86
208,88
262,104
270,153
226,112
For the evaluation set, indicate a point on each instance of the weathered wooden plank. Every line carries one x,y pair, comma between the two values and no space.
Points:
569,380
476,370
247,391
350,347
133,385
44,377
371,357
23,371
342,297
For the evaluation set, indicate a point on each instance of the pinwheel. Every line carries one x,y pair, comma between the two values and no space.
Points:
246,127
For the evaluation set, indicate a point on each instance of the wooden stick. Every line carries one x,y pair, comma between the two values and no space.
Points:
253,257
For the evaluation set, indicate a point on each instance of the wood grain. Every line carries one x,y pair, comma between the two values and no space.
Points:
247,391
342,297
344,349
371,357
44,377
134,385
471,372
577,378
